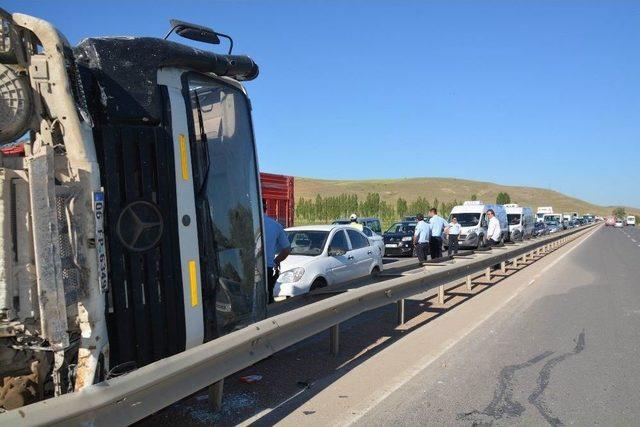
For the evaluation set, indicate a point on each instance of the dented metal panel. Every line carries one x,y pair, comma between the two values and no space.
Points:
53,318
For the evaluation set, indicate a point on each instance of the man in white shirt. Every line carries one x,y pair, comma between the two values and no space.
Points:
421,237
493,232
438,225
453,231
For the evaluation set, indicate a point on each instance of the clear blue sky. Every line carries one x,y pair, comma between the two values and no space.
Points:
541,93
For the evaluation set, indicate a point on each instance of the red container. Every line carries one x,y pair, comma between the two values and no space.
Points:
277,191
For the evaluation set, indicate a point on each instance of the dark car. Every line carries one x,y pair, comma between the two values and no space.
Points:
398,239
540,229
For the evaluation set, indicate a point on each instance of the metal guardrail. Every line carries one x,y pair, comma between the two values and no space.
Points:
146,390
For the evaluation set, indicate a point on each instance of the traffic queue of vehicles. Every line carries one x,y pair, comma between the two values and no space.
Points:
325,255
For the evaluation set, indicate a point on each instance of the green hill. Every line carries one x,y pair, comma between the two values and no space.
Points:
447,190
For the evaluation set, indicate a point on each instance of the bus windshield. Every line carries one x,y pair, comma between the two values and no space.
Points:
227,204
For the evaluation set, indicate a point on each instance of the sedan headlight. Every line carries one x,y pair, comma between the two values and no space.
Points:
292,275
407,239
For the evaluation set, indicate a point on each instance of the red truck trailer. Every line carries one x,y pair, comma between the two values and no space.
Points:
277,191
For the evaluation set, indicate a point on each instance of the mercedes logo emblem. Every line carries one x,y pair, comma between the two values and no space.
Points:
140,226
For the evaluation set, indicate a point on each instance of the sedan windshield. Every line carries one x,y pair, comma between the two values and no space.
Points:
307,242
466,219
402,227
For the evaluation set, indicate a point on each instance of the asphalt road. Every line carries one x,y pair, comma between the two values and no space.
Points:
565,351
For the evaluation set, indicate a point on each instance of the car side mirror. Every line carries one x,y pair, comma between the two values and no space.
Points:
336,252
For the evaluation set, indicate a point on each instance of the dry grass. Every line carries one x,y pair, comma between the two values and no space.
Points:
446,190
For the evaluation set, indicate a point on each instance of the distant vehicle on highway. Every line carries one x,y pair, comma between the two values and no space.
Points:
372,223
554,226
631,220
541,211
540,229
619,223
611,221
553,217
375,239
325,255
471,216
521,221
398,239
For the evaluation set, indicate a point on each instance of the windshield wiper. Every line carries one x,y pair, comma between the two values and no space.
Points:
204,147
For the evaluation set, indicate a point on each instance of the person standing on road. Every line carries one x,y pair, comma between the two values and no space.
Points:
277,248
493,231
421,236
353,222
453,231
438,225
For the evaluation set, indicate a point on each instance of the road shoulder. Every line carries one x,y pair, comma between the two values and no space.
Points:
345,399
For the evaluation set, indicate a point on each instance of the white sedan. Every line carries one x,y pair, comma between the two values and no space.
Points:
325,255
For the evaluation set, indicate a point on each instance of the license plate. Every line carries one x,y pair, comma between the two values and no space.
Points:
98,211
391,245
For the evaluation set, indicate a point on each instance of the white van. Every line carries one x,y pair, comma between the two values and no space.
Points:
473,222
542,210
521,221
631,220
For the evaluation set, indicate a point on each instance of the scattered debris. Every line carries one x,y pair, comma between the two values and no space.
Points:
249,379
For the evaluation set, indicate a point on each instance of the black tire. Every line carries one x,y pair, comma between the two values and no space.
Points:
375,272
481,243
320,282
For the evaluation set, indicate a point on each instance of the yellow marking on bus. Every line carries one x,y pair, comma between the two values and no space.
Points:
193,281
183,157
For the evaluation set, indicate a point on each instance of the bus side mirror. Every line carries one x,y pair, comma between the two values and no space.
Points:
195,32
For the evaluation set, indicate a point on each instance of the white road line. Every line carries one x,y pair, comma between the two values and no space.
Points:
633,240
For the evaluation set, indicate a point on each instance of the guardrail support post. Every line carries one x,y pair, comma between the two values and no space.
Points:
400,306
487,274
503,266
469,288
441,294
215,395
334,336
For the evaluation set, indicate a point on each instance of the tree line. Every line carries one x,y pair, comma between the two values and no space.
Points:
326,209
